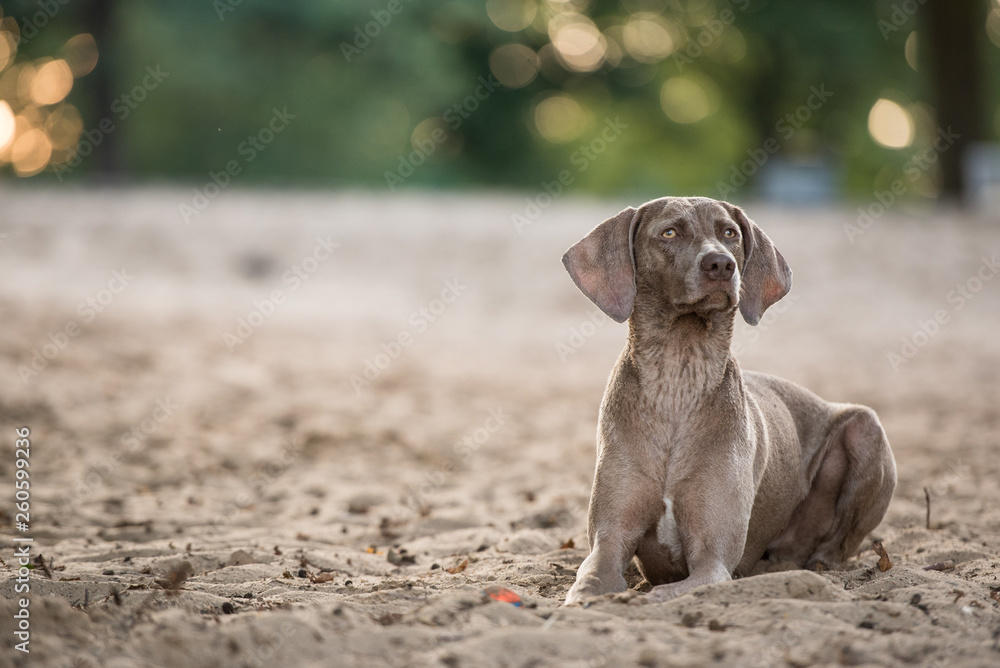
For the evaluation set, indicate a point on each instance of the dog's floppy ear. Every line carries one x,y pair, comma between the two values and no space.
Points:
766,277
602,265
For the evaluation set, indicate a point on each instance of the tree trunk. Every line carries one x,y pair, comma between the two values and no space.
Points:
99,18
951,31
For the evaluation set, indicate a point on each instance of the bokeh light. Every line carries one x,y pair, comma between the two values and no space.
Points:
31,153
578,43
514,65
699,12
993,25
7,126
729,48
648,38
64,127
8,84
428,132
612,50
80,53
890,125
687,100
7,48
9,25
910,50
38,128
25,79
559,118
511,15
52,82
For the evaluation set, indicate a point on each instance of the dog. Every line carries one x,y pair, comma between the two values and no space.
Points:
703,469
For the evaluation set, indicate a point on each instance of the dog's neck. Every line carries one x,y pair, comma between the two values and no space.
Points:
680,355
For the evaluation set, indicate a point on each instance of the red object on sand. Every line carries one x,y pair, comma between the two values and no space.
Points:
503,595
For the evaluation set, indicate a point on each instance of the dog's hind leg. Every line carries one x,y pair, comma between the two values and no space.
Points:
848,497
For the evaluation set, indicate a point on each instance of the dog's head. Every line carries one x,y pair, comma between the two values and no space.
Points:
693,254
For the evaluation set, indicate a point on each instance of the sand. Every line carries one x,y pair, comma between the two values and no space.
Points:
407,418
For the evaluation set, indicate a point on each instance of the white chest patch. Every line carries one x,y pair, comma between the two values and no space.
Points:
667,533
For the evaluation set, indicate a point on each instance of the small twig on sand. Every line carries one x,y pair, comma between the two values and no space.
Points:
40,560
927,497
941,566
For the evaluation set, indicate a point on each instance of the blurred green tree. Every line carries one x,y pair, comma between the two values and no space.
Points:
635,97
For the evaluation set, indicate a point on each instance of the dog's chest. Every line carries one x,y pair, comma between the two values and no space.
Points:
675,404
665,433
676,386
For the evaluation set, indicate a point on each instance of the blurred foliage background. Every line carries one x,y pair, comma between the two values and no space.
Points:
810,98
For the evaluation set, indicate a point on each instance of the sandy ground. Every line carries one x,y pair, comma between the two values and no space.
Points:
206,494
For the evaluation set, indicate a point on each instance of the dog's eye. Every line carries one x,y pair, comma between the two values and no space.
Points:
730,233
669,233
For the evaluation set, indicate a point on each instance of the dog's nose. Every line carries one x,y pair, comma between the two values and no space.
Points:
718,266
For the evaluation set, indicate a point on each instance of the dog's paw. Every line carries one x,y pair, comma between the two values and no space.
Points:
574,596
587,585
579,596
582,601
662,593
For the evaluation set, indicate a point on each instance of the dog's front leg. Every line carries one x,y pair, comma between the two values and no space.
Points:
711,559
712,521
622,507
602,571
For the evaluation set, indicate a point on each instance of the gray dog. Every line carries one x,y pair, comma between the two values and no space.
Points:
702,469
